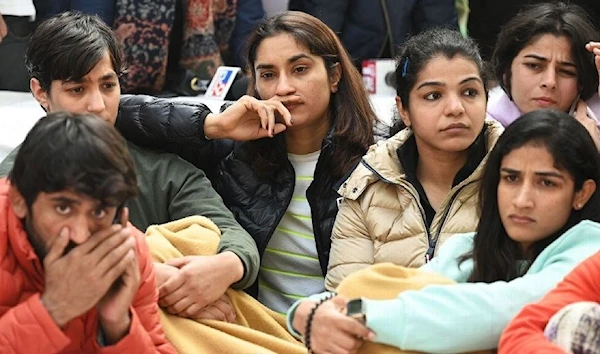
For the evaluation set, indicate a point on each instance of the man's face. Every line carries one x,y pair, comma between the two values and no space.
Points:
98,92
50,213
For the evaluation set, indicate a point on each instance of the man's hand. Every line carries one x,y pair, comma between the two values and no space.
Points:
113,308
331,330
201,281
250,119
75,282
164,272
220,310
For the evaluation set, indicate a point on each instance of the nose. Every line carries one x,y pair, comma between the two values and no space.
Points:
95,101
284,86
80,229
523,198
454,105
549,78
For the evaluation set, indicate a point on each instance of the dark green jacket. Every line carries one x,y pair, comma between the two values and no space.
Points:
172,188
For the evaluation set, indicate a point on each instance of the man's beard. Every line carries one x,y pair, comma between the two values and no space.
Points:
37,242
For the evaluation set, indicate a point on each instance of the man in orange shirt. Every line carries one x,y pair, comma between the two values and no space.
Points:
75,275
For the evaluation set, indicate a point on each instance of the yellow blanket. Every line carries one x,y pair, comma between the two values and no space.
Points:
257,330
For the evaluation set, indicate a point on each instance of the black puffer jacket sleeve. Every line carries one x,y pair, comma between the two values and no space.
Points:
172,126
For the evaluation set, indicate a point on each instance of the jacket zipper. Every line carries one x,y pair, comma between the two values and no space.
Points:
415,195
289,199
431,242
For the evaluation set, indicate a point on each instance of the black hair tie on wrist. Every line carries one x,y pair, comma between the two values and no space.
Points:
310,317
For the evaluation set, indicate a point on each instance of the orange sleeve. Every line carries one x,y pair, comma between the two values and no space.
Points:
145,332
525,333
28,320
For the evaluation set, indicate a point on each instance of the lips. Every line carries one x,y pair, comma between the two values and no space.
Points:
521,219
455,126
544,101
290,107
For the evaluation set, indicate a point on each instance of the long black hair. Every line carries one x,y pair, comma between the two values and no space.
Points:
495,254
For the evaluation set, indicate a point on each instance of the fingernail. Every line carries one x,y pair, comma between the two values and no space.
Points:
64,232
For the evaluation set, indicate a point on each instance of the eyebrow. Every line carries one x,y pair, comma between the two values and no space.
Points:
537,173
105,77
291,60
541,58
65,200
439,83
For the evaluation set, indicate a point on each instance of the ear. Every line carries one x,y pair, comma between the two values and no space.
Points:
334,77
404,115
17,202
584,194
38,92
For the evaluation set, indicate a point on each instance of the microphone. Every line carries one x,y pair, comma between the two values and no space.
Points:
221,86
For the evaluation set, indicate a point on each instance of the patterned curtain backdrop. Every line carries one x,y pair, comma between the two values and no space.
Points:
207,29
144,27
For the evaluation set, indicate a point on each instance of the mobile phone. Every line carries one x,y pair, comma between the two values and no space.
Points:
355,309
573,108
117,219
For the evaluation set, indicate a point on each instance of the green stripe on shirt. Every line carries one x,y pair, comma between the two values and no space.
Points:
296,255
291,274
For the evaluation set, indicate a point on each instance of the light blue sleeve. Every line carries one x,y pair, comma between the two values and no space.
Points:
446,262
471,316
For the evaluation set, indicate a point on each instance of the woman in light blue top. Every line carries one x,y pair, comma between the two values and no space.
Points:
538,186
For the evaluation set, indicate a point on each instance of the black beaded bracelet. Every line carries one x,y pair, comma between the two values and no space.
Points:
309,320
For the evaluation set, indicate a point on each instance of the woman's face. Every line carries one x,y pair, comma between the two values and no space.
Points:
447,105
544,75
284,67
535,199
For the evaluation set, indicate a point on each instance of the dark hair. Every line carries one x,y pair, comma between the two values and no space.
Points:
558,19
350,109
422,48
495,254
74,151
67,46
